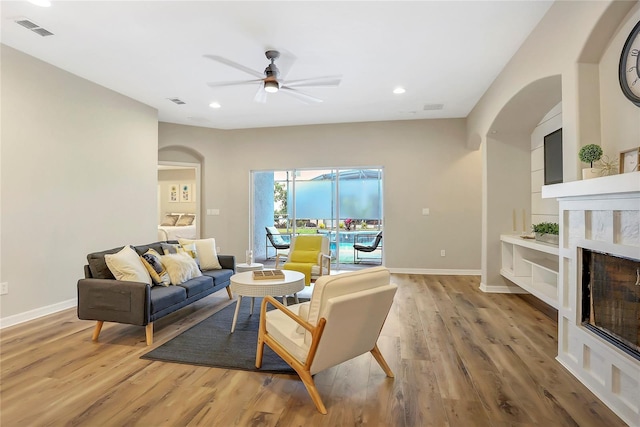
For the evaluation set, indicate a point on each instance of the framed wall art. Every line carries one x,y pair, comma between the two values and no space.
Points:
186,193
174,193
629,160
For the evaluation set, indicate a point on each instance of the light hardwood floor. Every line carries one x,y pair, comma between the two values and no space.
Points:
461,358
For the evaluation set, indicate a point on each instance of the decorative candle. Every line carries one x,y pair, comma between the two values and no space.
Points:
524,224
514,220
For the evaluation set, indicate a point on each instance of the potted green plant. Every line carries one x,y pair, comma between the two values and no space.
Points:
588,154
547,232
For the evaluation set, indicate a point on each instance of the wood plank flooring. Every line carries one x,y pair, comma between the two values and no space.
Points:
461,358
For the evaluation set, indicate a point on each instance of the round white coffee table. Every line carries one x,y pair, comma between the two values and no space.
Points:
244,285
240,268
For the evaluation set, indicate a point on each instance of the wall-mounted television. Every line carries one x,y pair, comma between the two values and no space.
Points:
553,157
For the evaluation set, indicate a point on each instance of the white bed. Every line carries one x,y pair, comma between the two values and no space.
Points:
168,232
177,225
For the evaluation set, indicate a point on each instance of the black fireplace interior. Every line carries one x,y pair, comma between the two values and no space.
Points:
611,299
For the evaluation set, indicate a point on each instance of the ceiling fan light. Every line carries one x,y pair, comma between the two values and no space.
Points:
271,86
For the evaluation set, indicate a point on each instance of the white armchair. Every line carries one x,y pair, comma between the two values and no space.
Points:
342,320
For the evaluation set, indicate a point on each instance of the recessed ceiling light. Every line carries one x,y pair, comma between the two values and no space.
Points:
215,105
41,3
399,90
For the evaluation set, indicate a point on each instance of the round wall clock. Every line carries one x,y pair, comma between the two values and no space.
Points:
629,69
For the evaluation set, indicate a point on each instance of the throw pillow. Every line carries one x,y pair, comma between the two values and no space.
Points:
207,254
171,248
170,220
303,312
188,248
159,275
186,219
126,265
180,267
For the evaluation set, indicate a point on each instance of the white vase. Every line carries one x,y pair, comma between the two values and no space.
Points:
588,173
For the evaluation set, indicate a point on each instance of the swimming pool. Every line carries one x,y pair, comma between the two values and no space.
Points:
346,252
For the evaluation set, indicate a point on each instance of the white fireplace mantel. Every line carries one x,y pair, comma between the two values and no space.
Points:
614,184
601,214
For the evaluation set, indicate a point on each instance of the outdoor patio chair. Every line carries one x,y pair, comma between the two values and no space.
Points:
342,320
367,248
278,241
308,254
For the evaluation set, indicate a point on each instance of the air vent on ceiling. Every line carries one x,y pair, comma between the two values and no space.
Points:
429,107
177,101
42,32
30,25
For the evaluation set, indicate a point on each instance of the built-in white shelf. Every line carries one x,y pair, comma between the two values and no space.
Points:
531,265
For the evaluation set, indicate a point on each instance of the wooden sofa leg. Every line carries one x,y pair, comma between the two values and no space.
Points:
149,333
96,331
228,288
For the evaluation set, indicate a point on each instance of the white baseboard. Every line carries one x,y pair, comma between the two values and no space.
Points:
442,272
16,319
502,289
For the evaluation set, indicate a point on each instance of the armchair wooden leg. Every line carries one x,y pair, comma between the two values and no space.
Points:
383,363
228,288
307,380
149,333
261,331
96,331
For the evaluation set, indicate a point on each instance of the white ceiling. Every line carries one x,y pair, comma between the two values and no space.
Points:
442,52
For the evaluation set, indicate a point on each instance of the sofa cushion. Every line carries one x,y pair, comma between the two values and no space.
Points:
98,266
164,297
127,266
219,276
197,285
142,249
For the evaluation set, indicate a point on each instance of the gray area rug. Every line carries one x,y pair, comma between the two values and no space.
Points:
211,343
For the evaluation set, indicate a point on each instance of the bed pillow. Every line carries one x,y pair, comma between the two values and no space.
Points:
207,254
126,265
169,220
186,219
157,271
180,267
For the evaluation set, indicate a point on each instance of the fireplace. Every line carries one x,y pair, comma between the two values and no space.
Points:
599,257
611,299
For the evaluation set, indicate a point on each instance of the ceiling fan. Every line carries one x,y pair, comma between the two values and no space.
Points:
270,80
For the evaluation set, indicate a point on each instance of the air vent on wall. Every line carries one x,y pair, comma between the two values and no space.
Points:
30,25
177,101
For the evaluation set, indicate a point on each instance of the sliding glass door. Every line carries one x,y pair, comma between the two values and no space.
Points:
343,204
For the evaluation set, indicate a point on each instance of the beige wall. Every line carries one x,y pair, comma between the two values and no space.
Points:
580,42
426,165
78,174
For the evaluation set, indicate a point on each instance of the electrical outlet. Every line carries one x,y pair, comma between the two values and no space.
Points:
442,252
4,288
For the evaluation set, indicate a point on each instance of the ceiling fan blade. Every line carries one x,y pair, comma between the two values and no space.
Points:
285,63
239,82
297,94
326,81
261,95
235,65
